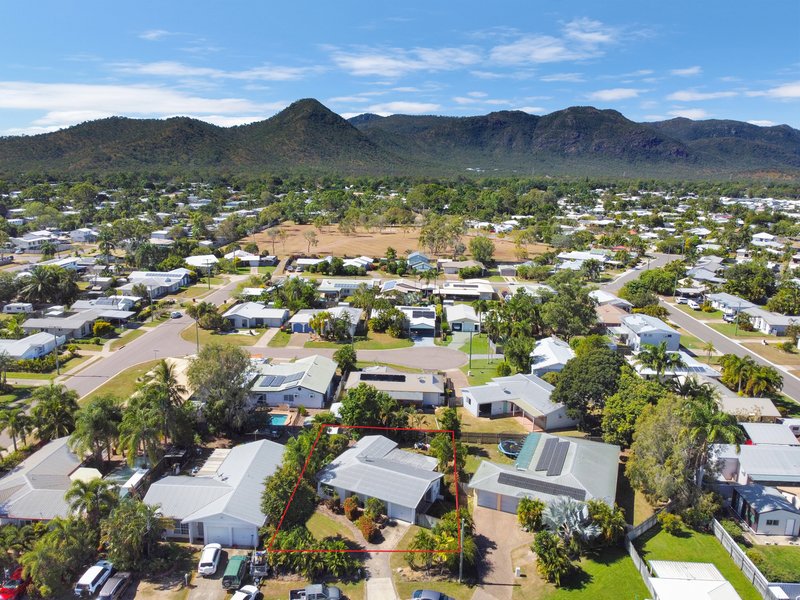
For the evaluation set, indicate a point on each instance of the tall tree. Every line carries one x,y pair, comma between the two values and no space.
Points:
141,429
131,532
54,411
93,499
17,422
366,406
219,376
659,359
482,249
97,426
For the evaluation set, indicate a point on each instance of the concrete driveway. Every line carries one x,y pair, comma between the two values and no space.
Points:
497,534
209,588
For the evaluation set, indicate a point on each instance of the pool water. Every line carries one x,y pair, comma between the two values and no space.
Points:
279,419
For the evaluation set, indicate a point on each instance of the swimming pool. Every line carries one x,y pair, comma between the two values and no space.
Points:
279,419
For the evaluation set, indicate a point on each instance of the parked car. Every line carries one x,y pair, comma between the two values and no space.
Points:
209,560
115,586
681,299
93,579
235,572
247,592
729,317
317,591
429,595
693,305
14,586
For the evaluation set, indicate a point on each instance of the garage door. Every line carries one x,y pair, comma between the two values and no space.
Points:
509,504
218,535
402,513
487,499
244,536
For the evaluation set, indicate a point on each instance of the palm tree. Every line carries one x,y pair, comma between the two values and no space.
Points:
659,358
736,369
17,422
54,411
6,362
97,426
763,380
106,243
709,425
708,348
141,429
95,499
164,375
48,249
690,387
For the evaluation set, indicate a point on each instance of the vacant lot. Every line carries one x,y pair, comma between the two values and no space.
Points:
374,243
772,353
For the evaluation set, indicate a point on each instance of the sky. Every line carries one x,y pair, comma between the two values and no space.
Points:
64,62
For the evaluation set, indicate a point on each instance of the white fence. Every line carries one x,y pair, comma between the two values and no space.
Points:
640,564
745,565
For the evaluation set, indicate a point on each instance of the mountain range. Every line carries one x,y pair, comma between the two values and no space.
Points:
308,137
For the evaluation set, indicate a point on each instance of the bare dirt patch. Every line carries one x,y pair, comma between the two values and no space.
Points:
373,243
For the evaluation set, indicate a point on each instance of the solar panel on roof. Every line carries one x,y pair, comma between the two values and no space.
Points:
383,377
547,454
557,461
294,377
525,455
267,380
279,379
545,487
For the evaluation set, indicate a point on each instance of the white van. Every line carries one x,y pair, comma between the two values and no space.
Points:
93,579
18,307
693,305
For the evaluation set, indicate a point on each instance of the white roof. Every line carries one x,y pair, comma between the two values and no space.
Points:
640,323
602,297
687,580
240,254
234,489
461,312
203,260
770,433
18,348
313,372
551,351
253,310
529,392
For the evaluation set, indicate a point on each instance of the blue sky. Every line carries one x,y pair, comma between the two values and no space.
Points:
233,62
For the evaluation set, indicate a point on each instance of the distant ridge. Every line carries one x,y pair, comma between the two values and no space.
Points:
307,136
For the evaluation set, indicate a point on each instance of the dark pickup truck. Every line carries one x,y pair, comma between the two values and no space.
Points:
318,591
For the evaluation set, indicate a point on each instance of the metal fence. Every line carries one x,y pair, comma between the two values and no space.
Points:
741,560
477,437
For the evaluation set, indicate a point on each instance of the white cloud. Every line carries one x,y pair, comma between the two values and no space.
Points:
762,122
590,32
402,107
347,99
66,104
536,49
178,69
787,91
472,100
397,62
477,94
687,72
690,113
693,96
567,77
614,94
531,109
228,120
153,35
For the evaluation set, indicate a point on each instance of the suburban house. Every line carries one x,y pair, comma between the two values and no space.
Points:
537,290
728,303
76,324
769,323
610,316
639,330
158,283
32,241
405,286
603,298
417,261
359,262
34,490
765,464
306,382
374,467
550,355
420,321
689,580
524,395
462,317
84,235
301,320
421,389
202,261
247,258
36,345
766,510
704,275
549,467
222,502
691,367
255,314
338,289
761,409
471,289
452,267
769,433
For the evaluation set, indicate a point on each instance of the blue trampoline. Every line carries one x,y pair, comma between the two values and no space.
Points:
510,448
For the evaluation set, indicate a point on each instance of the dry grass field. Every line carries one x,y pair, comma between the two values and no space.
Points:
374,243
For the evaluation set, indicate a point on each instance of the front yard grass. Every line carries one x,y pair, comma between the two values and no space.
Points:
16,394
280,340
774,354
782,560
728,329
496,425
207,337
693,546
482,371
127,338
123,384
699,314
480,345
608,576
375,341
321,526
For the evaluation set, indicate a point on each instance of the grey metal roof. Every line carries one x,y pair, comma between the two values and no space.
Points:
35,488
640,323
375,468
765,499
730,300
313,372
765,462
528,392
770,433
589,466
234,490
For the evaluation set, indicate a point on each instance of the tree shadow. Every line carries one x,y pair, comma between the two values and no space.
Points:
477,451
578,579
625,493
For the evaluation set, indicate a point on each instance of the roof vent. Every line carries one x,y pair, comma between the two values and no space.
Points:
506,390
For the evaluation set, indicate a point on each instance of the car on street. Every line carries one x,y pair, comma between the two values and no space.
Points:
93,579
209,560
247,592
176,314
14,586
429,595
693,305
115,587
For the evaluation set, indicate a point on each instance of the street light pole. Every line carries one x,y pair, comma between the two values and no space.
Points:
470,349
461,551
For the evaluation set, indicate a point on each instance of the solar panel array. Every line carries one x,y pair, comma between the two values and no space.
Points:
545,487
423,314
278,380
552,457
382,377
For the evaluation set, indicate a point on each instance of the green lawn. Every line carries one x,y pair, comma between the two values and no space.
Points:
699,314
122,384
21,375
692,546
375,341
729,329
784,562
477,453
480,345
263,270
607,576
635,505
87,346
15,394
127,338
280,340
206,337
496,425
405,587
482,370
322,526
774,354
74,362
788,407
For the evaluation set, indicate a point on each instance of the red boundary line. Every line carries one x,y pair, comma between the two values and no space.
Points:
324,427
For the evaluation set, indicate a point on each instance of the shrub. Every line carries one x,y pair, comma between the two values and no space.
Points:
699,516
367,527
787,347
334,503
102,329
771,570
470,272
672,524
733,529
374,508
503,369
351,507
529,513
